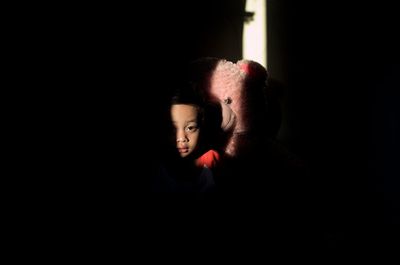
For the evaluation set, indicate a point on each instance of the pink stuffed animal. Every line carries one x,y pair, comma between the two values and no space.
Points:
241,90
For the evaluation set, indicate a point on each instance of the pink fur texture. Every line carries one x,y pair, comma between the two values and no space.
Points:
231,84
227,83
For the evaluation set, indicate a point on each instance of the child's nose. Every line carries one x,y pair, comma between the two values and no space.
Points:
181,137
181,140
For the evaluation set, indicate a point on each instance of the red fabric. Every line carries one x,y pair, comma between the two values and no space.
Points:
245,67
209,159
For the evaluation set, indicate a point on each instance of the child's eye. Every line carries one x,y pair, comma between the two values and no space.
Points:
191,128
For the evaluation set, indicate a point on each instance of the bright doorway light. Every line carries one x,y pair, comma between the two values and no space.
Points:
255,32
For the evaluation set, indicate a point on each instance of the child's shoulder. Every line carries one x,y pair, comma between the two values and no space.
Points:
208,159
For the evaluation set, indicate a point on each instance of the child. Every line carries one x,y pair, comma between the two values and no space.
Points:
190,159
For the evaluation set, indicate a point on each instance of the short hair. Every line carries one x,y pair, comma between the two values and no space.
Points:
190,94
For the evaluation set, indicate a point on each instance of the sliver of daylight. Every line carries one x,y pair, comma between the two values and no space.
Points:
255,31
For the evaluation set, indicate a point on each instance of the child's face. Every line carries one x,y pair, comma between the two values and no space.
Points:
187,130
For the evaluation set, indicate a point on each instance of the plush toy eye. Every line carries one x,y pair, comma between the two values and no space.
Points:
228,100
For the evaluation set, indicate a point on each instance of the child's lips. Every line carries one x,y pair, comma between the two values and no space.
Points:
183,149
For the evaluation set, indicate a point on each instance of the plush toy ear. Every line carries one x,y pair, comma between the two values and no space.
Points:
253,70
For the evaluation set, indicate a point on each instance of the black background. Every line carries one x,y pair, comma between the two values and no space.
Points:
110,67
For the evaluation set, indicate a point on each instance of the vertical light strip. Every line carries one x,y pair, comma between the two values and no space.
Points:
255,32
